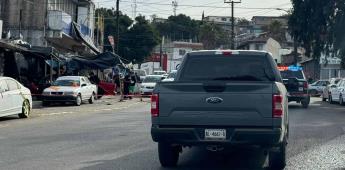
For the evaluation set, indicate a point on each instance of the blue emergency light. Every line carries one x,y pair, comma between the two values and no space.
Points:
290,68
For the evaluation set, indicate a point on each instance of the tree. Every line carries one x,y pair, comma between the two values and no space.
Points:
313,25
139,40
180,27
212,36
242,21
276,31
136,41
110,26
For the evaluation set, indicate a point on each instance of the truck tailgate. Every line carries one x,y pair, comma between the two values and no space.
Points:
216,104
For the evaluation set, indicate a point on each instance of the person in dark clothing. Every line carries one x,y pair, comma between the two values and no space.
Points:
137,77
116,79
127,84
94,79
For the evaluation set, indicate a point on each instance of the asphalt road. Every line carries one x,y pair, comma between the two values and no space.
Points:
117,136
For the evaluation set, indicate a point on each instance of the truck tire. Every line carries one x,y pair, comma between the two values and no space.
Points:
305,102
277,159
168,154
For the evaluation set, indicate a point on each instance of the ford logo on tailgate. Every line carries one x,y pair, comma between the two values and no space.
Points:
214,100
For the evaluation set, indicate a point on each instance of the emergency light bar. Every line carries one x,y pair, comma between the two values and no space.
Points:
290,68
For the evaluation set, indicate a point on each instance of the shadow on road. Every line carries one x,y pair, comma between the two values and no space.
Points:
191,159
8,118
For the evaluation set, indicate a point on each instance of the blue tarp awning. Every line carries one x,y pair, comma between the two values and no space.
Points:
102,61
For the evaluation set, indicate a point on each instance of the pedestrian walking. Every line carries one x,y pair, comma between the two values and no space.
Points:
127,84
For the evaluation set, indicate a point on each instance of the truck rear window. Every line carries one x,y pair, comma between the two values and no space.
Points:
227,68
291,74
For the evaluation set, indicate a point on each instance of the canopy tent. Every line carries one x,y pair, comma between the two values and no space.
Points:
85,39
101,61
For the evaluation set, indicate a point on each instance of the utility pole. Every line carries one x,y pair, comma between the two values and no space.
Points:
232,2
134,8
118,26
161,52
174,4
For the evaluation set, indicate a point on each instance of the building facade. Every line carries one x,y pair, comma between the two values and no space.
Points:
67,25
267,20
264,44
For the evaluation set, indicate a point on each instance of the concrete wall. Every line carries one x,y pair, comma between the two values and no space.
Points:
32,22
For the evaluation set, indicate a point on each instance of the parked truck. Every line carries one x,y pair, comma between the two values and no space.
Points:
222,99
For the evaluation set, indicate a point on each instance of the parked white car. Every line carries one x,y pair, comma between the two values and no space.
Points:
327,90
149,84
338,93
171,76
14,98
160,73
316,88
74,89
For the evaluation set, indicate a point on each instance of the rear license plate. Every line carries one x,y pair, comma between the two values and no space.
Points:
300,89
215,134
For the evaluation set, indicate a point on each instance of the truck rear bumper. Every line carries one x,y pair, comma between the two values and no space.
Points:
234,136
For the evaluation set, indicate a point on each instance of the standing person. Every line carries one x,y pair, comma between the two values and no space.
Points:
94,79
133,82
127,84
137,77
116,79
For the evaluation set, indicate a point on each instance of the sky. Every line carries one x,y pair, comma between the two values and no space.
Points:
194,8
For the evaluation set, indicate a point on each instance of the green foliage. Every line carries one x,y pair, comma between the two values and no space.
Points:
276,31
136,40
318,25
139,40
212,36
180,27
242,21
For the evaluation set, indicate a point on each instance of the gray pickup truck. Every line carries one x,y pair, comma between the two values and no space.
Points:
222,99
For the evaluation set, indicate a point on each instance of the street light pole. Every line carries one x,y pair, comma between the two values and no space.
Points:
232,2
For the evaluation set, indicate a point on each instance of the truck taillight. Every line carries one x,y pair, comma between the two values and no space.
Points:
305,85
277,106
155,105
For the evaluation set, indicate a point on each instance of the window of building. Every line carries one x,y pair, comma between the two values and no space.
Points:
182,52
